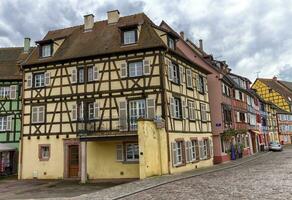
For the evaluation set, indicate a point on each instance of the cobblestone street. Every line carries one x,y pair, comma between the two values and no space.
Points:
269,177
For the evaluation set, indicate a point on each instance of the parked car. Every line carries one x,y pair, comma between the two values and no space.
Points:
275,146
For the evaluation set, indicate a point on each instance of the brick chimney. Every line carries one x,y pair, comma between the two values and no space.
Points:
201,44
113,16
275,78
88,22
182,34
26,45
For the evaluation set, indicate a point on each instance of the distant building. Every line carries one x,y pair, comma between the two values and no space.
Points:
285,126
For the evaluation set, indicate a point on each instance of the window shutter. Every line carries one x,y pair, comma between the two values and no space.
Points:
150,108
208,149
236,94
181,74
172,107
197,82
124,71
96,73
74,112
146,67
174,152
187,149
170,71
9,123
96,110
123,116
12,94
189,78
120,152
206,84
238,116
47,78
245,117
184,110
211,148
82,111
74,76
29,80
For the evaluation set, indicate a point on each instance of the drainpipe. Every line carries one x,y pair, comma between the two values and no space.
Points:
21,134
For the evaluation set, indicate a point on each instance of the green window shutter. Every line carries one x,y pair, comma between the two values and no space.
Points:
146,67
150,108
123,116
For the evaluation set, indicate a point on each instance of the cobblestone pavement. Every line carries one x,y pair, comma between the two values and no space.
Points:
262,176
268,177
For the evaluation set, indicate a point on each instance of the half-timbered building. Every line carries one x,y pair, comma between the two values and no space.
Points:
85,89
10,106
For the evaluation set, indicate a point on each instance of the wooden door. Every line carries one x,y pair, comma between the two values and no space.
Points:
73,161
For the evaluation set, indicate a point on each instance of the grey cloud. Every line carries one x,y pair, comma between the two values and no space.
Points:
286,73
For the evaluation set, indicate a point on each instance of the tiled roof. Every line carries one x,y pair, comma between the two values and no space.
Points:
103,39
282,87
9,63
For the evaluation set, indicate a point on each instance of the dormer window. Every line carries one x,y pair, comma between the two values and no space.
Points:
171,42
130,36
46,50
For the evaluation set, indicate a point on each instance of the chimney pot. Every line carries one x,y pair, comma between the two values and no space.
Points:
182,34
113,16
275,78
201,44
26,45
88,22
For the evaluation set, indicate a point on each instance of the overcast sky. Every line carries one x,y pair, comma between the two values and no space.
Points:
251,35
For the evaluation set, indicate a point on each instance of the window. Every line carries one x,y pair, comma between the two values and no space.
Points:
203,112
225,90
130,36
90,74
38,114
239,95
176,107
192,115
3,123
201,86
137,109
171,43
81,75
39,80
132,152
177,153
91,114
136,69
194,144
44,152
204,149
4,92
46,50
227,114
189,78
174,73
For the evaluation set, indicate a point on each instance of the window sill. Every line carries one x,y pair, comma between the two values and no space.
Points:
190,88
175,83
176,118
179,165
130,44
202,93
130,162
38,123
44,159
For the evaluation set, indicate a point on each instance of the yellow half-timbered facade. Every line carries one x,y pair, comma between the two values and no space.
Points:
91,92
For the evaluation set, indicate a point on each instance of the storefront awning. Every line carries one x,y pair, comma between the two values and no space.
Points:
6,147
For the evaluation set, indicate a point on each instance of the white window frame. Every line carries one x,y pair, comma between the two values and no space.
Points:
136,111
179,154
129,36
39,80
203,109
3,123
193,150
135,69
192,111
46,50
4,91
177,108
38,111
134,151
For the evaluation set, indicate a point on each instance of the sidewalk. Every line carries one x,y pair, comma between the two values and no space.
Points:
124,190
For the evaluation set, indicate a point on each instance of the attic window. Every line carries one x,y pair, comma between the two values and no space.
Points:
171,42
46,50
130,36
